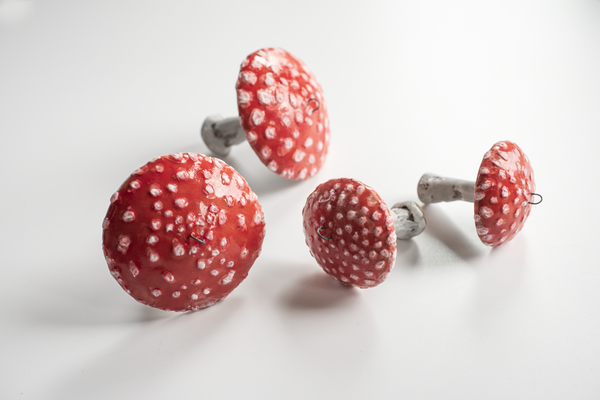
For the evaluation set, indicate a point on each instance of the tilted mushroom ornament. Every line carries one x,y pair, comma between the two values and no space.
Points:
282,114
352,234
502,193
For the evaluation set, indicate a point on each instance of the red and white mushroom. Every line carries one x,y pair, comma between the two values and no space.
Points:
502,193
282,114
352,234
182,232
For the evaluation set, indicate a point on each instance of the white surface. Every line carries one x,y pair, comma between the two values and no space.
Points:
89,91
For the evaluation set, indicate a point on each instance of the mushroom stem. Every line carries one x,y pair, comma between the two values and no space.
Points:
219,134
409,219
434,189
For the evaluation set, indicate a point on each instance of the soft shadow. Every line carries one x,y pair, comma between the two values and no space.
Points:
319,291
243,159
500,276
146,350
408,253
443,229
86,296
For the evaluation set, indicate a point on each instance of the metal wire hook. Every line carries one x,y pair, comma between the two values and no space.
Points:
539,195
199,240
318,104
321,236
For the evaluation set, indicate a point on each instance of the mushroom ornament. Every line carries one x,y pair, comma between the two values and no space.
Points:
502,193
282,115
182,232
352,234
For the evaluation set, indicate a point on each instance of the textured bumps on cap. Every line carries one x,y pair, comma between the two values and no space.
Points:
182,232
350,232
283,112
503,190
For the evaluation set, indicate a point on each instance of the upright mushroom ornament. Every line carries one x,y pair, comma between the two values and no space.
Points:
502,193
182,232
282,114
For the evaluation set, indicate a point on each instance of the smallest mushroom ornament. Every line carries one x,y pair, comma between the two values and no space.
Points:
182,232
282,114
352,234
502,193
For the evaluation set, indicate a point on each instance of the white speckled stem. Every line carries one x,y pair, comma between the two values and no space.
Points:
434,189
409,219
219,134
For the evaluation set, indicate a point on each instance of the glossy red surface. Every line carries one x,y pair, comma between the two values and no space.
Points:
283,112
503,192
350,232
157,219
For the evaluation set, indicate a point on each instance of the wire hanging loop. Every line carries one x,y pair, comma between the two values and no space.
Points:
310,102
198,240
537,202
321,236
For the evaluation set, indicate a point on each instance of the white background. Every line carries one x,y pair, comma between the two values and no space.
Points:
90,91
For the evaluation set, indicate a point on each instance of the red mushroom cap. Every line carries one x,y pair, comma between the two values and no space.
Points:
503,191
157,220
283,112
350,232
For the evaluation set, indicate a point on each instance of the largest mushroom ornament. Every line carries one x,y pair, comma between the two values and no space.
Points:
503,192
282,115
182,232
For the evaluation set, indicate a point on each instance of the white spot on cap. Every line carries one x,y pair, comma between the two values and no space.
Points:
181,202
152,240
482,230
172,187
269,80
201,264
155,224
183,175
153,256
133,269
485,185
257,116
299,155
124,242
208,189
156,292
168,277
486,212
249,77
244,97
178,249
266,152
270,132
134,184
114,197
128,216
264,97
